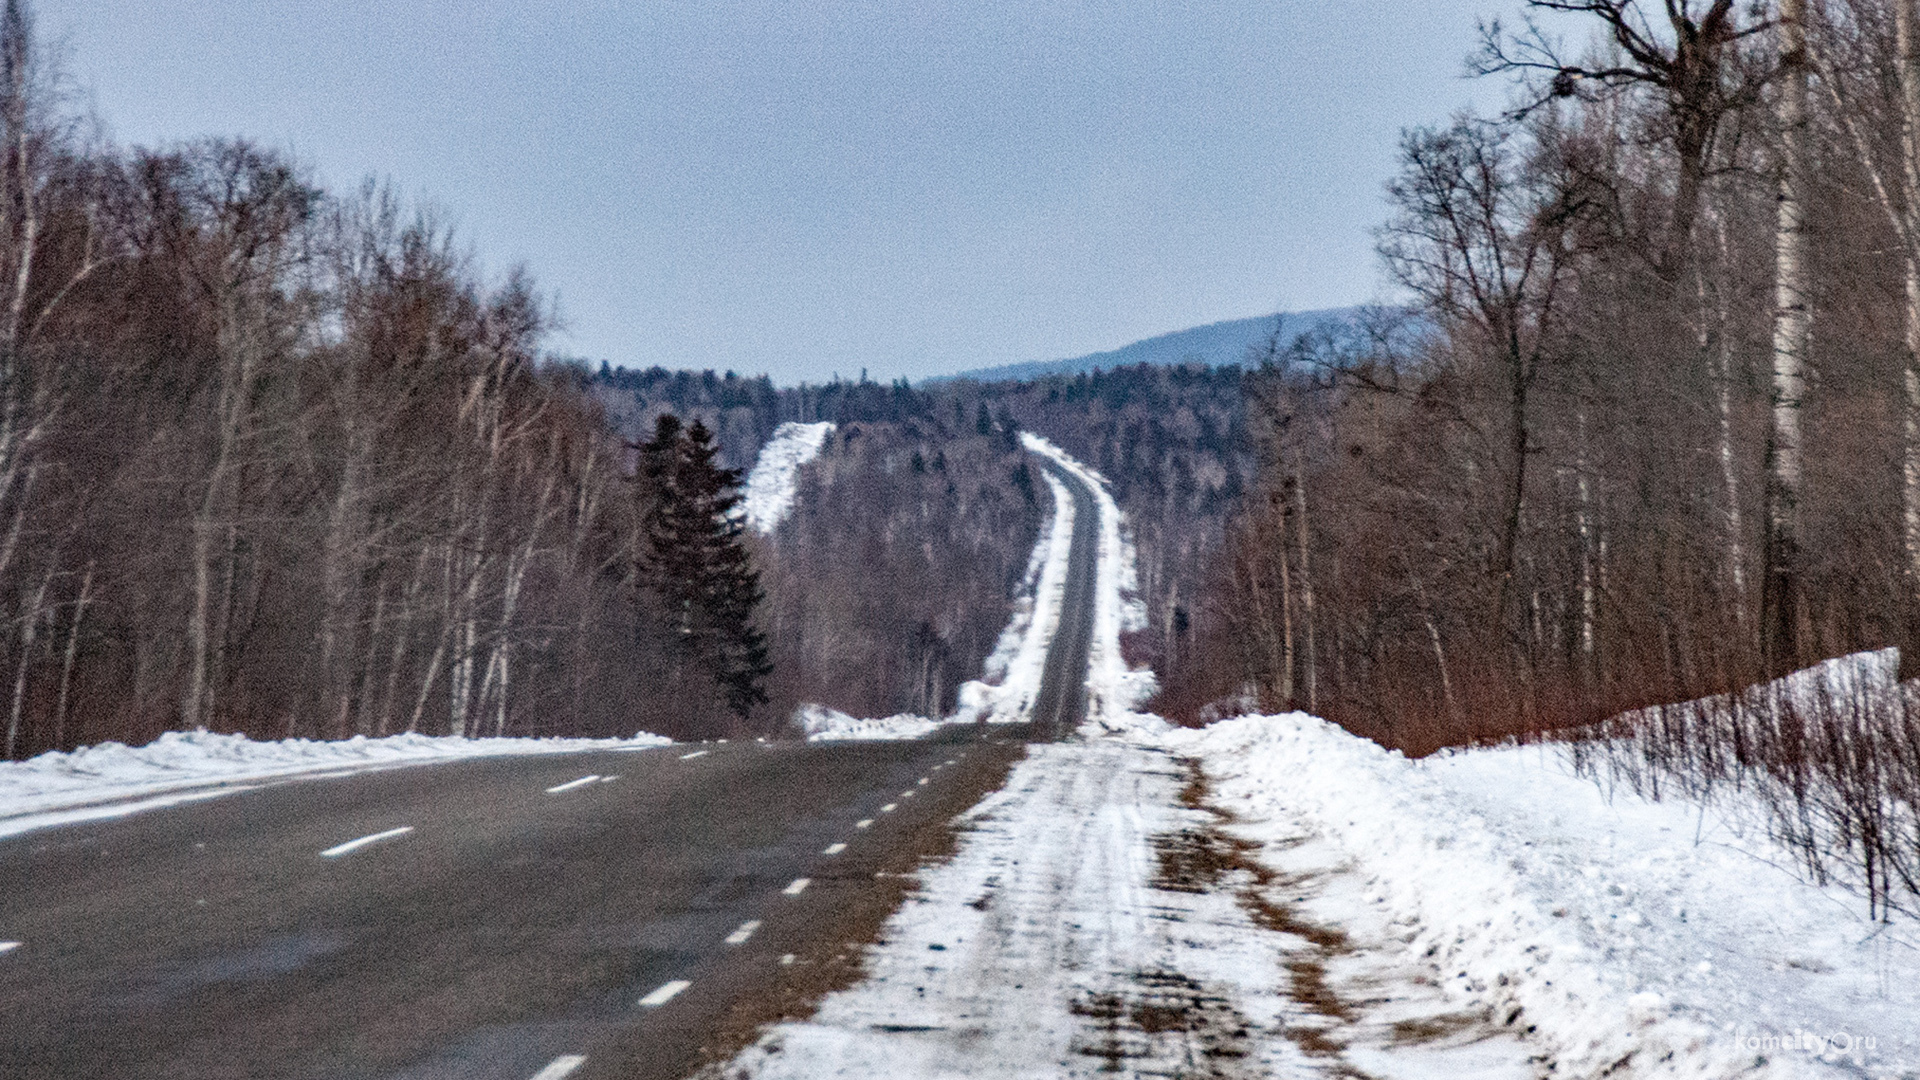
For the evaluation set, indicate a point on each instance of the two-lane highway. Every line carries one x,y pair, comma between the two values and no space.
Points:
583,915
1060,706
597,915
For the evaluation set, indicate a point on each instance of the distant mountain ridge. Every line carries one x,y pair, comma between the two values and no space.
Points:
1214,344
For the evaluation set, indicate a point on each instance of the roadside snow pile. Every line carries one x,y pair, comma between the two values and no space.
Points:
98,781
1113,691
1670,936
1010,678
770,485
822,724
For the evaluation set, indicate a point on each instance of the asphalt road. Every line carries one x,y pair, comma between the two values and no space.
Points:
1061,704
498,919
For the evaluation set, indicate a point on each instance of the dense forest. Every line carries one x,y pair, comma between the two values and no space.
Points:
1652,429
280,460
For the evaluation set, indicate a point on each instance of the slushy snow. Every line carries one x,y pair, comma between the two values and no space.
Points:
768,496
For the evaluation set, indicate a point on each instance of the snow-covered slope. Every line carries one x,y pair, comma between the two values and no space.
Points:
113,780
768,496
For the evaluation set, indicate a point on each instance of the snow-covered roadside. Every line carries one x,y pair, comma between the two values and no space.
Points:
822,724
113,780
1042,950
1664,935
767,497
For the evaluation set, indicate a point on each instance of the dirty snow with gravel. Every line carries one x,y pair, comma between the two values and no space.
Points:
113,780
767,497
1272,896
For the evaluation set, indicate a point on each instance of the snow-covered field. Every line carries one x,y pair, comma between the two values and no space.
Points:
770,485
112,780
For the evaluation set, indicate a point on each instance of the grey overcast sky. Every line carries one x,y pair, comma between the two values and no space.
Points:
805,187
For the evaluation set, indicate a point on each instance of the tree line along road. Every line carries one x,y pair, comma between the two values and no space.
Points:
612,914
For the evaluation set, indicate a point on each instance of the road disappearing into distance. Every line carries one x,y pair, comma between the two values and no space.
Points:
628,914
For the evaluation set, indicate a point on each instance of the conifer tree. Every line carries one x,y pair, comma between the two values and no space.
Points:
692,558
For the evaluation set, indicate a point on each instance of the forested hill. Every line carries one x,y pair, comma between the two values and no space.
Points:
927,485
1212,345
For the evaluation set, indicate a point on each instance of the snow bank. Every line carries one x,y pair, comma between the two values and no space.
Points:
822,724
1667,935
1114,692
112,779
768,497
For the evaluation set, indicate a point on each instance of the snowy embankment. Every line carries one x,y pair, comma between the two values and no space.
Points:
1671,935
767,497
112,780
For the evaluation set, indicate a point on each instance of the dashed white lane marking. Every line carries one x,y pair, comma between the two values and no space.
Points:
834,849
863,823
740,936
8,946
667,992
695,754
560,1066
799,886
355,845
951,762
907,794
787,960
888,809
923,781
571,784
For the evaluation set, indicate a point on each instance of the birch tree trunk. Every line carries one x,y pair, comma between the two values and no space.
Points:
73,653
1782,600
1311,659
1907,43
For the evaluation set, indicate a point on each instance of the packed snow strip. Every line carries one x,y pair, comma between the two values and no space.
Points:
1067,938
112,780
1114,691
998,967
1668,937
771,483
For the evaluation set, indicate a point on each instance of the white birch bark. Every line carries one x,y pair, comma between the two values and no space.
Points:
1792,333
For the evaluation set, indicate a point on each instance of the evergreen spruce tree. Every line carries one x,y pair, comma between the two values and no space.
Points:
691,556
